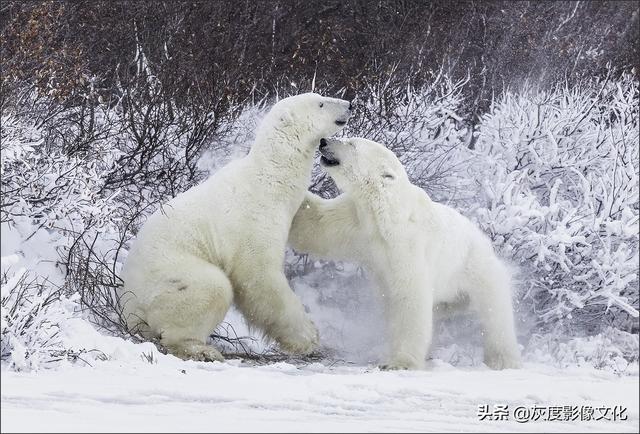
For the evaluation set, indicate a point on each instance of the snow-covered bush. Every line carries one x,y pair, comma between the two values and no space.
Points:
55,190
48,198
236,138
558,176
31,311
612,349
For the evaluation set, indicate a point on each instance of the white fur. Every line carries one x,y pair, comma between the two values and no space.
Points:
224,240
422,254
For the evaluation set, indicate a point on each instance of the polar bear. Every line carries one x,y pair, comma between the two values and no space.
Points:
423,255
224,241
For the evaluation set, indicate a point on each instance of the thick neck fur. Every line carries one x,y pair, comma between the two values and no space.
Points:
284,155
382,206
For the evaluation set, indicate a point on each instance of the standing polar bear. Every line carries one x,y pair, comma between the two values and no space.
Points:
420,252
224,240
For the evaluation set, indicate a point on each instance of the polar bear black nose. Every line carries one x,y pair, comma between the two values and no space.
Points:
323,143
350,106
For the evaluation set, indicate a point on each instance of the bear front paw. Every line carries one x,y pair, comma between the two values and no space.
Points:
195,351
502,359
304,340
402,362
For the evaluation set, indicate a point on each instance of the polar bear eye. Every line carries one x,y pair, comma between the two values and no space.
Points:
321,104
387,175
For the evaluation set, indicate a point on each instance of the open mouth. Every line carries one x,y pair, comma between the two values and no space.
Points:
328,161
341,123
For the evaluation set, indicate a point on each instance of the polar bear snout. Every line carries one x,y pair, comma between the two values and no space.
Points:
328,157
342,119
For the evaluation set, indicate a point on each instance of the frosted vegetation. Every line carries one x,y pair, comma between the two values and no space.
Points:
550,175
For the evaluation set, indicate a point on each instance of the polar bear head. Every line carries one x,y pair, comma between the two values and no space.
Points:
374,178
306,118
358,164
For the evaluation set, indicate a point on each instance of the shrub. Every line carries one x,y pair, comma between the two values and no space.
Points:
558,185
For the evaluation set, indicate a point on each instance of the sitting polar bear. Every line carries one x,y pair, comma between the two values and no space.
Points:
420,252
224,240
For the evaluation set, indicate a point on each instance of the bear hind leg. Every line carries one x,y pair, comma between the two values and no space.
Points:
197,299
491,299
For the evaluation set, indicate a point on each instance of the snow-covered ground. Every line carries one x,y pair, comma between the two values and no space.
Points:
172,395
